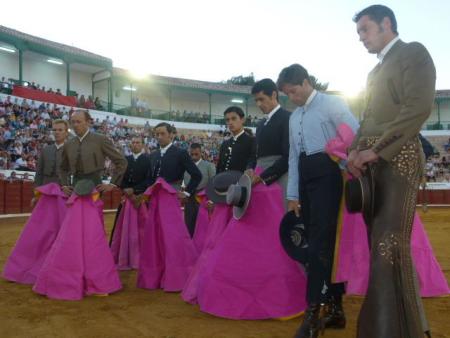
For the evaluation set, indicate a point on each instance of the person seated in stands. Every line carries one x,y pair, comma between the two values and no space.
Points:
58,92
21,162
98,104
33,85
81,101
13,176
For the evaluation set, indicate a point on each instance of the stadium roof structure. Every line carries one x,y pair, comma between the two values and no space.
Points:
187,84
26,42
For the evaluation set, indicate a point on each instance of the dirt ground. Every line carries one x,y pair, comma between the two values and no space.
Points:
141,313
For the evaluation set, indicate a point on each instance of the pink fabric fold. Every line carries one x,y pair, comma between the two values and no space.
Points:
80,262
167,253
338,146
247,274
354,259
220,217
37,237
202,223
125,241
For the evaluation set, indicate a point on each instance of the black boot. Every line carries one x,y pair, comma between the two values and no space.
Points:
312,323
335,317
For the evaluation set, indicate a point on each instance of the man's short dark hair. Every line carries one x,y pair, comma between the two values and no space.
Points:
267,86
234,109
294,75
169,128
196,146
377,13
85,112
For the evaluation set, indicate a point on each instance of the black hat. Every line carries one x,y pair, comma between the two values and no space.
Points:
217,187
360,193
238,196
84,187
293,237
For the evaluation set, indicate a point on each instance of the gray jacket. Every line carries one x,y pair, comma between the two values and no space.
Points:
49,162
207,169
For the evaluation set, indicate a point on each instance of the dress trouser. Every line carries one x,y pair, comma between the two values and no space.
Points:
392,307
190,213
320,194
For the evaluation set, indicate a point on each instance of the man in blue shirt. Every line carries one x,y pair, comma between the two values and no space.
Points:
315,189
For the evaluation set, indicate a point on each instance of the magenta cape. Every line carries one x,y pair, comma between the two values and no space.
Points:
202,223
220,217
247,274
125,241
353,263
37,237
80,261
167,253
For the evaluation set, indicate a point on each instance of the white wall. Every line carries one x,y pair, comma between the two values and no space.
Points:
81,82
44,73
9,65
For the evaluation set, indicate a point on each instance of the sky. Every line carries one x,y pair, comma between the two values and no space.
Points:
215,40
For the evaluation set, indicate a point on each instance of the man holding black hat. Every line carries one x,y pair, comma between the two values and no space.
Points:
272,136
315,185
238,152
400,94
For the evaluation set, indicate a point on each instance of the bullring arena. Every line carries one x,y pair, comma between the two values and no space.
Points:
122,105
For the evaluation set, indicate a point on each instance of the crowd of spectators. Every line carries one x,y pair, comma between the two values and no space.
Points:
6,87
438,168
25,128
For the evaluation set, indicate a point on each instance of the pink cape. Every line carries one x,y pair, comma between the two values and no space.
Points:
167,253
37,237
80,261
247,274
354,258
125,241
202,223
221,216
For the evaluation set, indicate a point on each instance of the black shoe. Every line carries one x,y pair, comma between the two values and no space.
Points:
334,316
312,323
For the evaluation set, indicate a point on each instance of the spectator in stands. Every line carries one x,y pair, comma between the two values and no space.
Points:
13,176
98,104
58,92
81,101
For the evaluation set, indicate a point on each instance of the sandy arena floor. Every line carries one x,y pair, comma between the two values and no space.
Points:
140,313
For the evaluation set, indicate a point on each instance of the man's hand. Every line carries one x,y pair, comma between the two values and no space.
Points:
33,202
249,172
67,190
364,157
350,164
255,178
295,206
210,207
128,191
182,197
105,187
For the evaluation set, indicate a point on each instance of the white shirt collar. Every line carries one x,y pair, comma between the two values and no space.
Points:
235,137
59,146
136,156
82,137
198,162
163,150
269,116
310,98
387,48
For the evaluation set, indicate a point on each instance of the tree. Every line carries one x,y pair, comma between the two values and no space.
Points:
317,84
241,80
